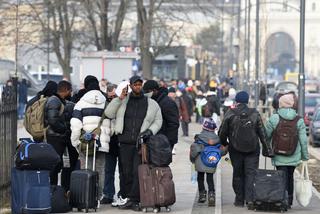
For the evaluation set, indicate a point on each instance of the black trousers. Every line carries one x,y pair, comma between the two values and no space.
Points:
130,160
244,166
59,144
289,170
74,165
185,128
210,182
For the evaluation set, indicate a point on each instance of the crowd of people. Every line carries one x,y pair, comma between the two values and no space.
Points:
137,109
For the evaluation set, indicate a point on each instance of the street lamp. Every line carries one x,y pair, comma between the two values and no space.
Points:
256,85
301,64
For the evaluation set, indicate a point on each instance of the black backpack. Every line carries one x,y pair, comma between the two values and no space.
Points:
244,137
159,150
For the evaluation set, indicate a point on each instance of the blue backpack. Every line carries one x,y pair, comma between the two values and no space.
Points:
211,155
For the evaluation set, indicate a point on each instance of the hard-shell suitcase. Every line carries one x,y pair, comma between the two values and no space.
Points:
269,190
30,191
84,186
156,185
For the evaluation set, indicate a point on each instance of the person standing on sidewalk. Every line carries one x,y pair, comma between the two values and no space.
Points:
169,110
137,116
55,120
86,117
286,112
22,97
241,129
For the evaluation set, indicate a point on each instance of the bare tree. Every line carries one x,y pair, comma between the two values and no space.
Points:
105,31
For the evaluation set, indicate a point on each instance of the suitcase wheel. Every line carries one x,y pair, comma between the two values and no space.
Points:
168,209
87,210
156,210
144,210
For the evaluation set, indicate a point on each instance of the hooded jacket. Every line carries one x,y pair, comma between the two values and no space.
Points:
301,153
86,116
117,108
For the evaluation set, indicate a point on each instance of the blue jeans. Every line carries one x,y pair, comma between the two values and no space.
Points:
21,109
110,168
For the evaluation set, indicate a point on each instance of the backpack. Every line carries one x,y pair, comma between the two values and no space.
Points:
244,137
211,155
285,136
34,118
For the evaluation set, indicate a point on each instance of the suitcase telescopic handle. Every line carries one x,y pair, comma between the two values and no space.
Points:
144,152
94,155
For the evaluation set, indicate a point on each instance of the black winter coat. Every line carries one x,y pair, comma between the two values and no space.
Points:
170,115
228,124
214,104
53,117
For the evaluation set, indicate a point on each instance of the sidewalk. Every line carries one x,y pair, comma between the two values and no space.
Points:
186,192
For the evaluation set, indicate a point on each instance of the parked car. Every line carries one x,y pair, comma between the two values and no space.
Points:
310,103
314,136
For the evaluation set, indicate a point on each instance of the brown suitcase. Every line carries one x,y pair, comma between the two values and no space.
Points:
156,185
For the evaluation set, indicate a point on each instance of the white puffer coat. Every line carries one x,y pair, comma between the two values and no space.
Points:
86,115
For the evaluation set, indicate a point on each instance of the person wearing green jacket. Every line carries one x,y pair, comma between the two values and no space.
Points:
288,163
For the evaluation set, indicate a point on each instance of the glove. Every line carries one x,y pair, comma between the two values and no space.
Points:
267,151
146,134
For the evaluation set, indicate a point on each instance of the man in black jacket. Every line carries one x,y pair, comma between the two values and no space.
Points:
241,130
169,110
57,130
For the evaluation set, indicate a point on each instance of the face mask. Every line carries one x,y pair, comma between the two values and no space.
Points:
179,94
149,94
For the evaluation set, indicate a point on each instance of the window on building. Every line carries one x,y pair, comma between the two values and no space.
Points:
314,7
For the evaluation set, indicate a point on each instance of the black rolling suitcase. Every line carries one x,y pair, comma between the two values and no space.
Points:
84,186
269,190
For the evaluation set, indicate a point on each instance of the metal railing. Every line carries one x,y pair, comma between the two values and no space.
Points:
8,141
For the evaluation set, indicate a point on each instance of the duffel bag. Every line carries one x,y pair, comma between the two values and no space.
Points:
36,156
159,150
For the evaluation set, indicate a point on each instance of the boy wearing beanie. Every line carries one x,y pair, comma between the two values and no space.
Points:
206,138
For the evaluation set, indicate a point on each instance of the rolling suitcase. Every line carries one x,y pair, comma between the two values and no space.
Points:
30,191
84,186
156,185
269,190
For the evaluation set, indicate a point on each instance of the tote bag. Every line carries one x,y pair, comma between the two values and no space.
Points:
303,186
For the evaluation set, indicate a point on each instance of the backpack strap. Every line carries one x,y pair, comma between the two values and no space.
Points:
97,130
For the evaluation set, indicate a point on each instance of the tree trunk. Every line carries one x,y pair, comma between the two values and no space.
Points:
146,62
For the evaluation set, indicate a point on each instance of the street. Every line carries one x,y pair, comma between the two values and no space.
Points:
186,192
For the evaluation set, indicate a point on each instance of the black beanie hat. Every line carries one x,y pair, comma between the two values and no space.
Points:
150,85
50,89
90,79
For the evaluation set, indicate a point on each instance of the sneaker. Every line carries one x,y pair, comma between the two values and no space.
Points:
119,202
128,205
136,207
202,197
105,200
250,205
211,199
174,151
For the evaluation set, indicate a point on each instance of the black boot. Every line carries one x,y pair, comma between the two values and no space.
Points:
211,199
202,197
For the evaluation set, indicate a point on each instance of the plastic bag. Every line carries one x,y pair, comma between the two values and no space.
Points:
194,174
303,186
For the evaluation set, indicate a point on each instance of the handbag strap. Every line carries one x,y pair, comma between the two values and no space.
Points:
305,171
